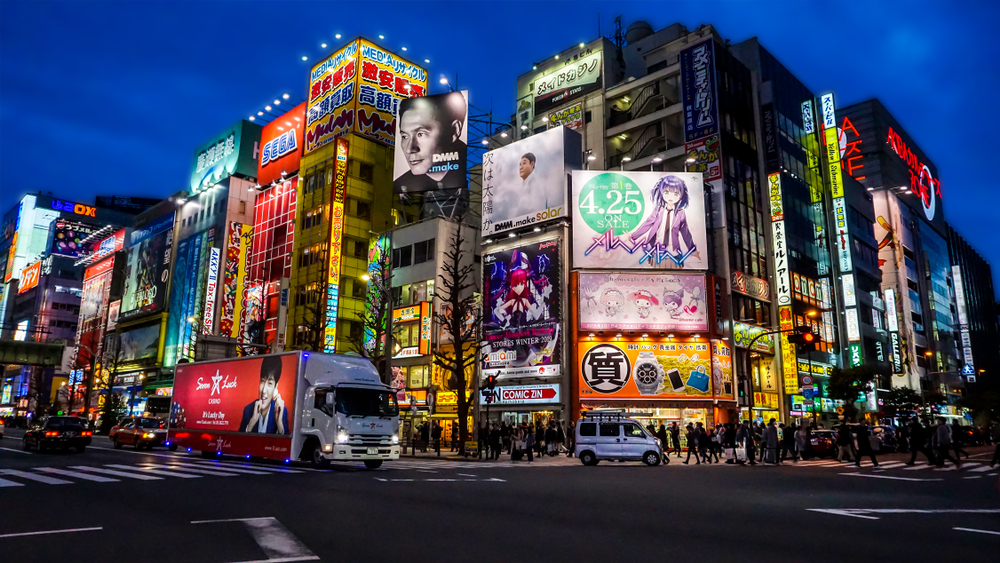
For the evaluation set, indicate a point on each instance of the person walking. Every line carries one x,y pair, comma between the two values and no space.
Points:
425,435
802,445
918,438
788,442
704,443
745,438
943,443
996,440
770,436
495,441
845,445
675,438
729,442
551,437
958,439
436,436
529,444
571,439
692,444
865,445
661,434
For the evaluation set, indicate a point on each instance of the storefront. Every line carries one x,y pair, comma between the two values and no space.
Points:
526,404
755,358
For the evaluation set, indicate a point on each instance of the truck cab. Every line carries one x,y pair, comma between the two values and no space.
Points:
348,422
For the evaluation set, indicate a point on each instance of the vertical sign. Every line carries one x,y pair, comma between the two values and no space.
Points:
211,289
425,328
782,283
336,240
808,125
963,322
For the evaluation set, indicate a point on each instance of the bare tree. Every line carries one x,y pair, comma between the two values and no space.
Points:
459,317
112,362
371,342
314,320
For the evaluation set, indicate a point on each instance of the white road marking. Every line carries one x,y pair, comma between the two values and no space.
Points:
18,451
861,512
155,471
52,532
918,465
465,475
6,483
249,466
991,532
189,469
887,477
117,473
36,477
982,469
973,477
77,474
842,512
280,545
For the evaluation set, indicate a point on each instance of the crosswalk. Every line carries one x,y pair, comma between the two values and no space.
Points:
148,471
972,467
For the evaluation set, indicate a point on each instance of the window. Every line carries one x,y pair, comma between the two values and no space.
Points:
423,251
315,254
312,218
418,377
243,207
360,249
633,431
358,289
609,429
588,429
364,210
401,257
366,172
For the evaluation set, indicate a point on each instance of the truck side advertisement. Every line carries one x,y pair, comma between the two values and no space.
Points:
244,406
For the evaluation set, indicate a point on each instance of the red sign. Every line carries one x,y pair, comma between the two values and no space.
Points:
29,277
922,182
239,407
101,267
281,144
525,394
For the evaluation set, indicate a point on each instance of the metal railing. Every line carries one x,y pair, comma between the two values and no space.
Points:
617,116
649,135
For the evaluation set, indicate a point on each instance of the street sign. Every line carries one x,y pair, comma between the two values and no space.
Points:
807,393
840,410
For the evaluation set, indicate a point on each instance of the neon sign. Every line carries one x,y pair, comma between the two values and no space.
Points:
70,207
921,180
336,250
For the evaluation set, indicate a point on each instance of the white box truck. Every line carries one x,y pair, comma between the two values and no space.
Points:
292,406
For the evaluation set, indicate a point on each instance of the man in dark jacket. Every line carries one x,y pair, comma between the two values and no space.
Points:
788,441
918,442
661,434
436,436
957,439
675,439
692,444
864,445
551,437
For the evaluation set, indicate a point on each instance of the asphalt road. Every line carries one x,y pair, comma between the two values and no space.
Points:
166,507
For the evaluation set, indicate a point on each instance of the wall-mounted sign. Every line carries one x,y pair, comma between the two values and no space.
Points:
850,299
638,301
701,108
571,117
72,207
335,246
750,285
281,146
744,334
853,326
808,123
234,151
526,394
568,83
29,277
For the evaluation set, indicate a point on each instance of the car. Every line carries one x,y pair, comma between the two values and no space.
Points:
62,432
824,443
1,428
614,436
140,432
888,441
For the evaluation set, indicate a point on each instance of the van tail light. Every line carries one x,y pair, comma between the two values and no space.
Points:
51,433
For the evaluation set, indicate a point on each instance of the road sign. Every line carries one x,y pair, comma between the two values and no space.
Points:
840,410
807,393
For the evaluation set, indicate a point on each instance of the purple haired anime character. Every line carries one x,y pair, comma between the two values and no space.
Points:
667,225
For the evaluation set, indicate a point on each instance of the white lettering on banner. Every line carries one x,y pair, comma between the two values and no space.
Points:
853,326
782,278
211,289
897,358
850,299
890,309
843,238
279,147
829,114
526,394
808,125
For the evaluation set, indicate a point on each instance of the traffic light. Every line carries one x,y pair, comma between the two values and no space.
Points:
491,382
804,338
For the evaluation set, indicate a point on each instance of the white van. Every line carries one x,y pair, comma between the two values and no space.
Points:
606,434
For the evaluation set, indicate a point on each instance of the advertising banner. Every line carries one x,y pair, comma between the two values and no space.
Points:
744,334
138,344
96,286
525,182
67,239
707,155
701,108
186,297
236,405
108,246
148,268
335,247
358,89
562,85
645,370
211,289
521,325
749,285
431,143
571,117
526,395
113,309
722,371
234,280
281,144
234,151
652,220
29,277
661,302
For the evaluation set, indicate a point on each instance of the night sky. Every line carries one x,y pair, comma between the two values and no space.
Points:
113,98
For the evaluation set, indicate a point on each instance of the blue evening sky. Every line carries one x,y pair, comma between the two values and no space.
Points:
113,97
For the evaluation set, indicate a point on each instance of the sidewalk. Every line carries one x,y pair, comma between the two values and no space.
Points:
453,456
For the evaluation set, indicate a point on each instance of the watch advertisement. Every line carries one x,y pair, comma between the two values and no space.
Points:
618,369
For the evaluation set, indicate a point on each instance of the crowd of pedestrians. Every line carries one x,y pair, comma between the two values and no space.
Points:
525,441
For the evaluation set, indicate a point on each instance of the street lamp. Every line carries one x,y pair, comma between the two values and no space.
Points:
688,162
656,160
624,160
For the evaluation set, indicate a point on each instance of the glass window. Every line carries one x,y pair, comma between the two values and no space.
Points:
609,429
588,429
633,431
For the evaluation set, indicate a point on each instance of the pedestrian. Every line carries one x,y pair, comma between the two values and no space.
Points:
529,443
539,438
675,438
845,445
943,444
661,435
729,442
919,438
495,441
864,445
571,437
745,439
704,443
758,438
770,436
560,436
958,439
692,444
551,436
803,447
436,436
713,445
995,436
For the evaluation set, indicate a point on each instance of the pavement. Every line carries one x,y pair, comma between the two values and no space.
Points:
160,506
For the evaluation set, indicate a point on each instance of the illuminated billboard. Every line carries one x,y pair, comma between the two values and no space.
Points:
29,277
700,99
108,246
281,144
148,268
415,340
571,117
524,183
521,324
618,369
653,220
357,89
67,239
234,151
577,78
335,247
431,143
234,281
186,296
627,301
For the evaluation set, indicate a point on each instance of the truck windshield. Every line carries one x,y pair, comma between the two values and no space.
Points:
366,402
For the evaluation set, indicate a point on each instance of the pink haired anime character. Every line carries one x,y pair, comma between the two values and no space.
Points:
643,300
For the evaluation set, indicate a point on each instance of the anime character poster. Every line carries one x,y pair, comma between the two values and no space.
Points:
521,324
663,302
148,268
635,220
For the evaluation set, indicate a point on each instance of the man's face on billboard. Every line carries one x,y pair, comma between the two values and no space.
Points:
419,132
525,168
268,386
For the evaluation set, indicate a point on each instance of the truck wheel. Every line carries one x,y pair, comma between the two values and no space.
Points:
588,458
317,458
116,443
373,463
651,458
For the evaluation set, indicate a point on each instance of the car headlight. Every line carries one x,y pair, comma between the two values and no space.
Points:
342,437
149,435
659,443
395,438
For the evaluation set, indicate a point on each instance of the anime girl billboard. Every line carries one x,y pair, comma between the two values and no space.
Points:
633,220
521,323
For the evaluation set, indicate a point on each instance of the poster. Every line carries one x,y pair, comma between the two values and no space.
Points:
662,302
571,117
234,280
431,143
722,371
148,268
524,183
566,83
523,293
139,344
616,369
626,220
186,297
68,237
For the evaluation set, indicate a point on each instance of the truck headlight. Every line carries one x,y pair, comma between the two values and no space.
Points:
149,435
342,437
395,438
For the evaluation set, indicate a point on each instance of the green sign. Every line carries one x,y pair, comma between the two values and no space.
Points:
743,334
856,354
612,201
234,151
